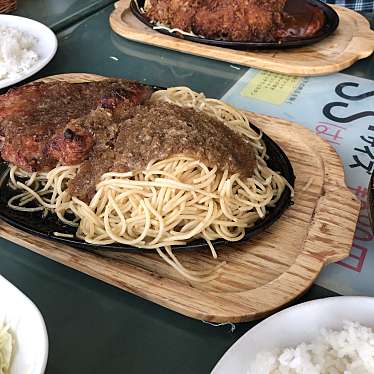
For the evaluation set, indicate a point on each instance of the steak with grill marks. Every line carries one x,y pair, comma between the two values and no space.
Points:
110,126
37,130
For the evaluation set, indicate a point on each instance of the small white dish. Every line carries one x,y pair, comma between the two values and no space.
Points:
46,46
293,326
28,328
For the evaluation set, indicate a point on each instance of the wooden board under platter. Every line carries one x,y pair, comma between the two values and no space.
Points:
353,40
261,275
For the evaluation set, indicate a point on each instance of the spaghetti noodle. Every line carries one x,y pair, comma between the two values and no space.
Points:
169,203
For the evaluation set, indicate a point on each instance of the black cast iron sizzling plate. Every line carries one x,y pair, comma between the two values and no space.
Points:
33,223
331,24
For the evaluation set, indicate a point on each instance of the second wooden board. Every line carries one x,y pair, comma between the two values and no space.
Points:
353,40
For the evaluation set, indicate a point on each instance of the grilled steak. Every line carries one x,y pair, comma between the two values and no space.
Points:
35,128
109,126
156,131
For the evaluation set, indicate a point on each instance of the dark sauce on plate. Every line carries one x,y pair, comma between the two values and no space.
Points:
303,20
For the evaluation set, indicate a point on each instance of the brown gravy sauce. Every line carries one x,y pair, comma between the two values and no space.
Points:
303,20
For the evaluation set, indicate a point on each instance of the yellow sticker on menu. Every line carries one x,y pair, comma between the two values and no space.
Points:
271,87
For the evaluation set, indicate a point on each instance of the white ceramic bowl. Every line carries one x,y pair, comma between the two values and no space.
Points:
46,46
27,326
295,325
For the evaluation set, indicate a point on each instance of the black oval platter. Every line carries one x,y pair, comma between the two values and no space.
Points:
331,24
35,224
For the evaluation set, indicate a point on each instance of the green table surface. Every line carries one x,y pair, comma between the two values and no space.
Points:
93,327
58,14
91,47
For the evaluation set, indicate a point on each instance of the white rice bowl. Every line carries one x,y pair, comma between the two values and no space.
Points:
294,336
346,351
17,52
26,46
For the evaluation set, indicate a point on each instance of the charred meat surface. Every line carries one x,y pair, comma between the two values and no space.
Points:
236,20
253,20
176,13
35,128
156,131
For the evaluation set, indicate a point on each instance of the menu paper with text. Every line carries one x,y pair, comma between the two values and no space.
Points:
340,109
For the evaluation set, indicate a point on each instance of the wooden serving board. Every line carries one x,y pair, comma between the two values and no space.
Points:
353,40
261,275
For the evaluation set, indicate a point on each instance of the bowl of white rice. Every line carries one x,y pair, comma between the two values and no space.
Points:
23,334
328,336
26,46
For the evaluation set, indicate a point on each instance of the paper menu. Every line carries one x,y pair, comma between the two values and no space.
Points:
271,88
